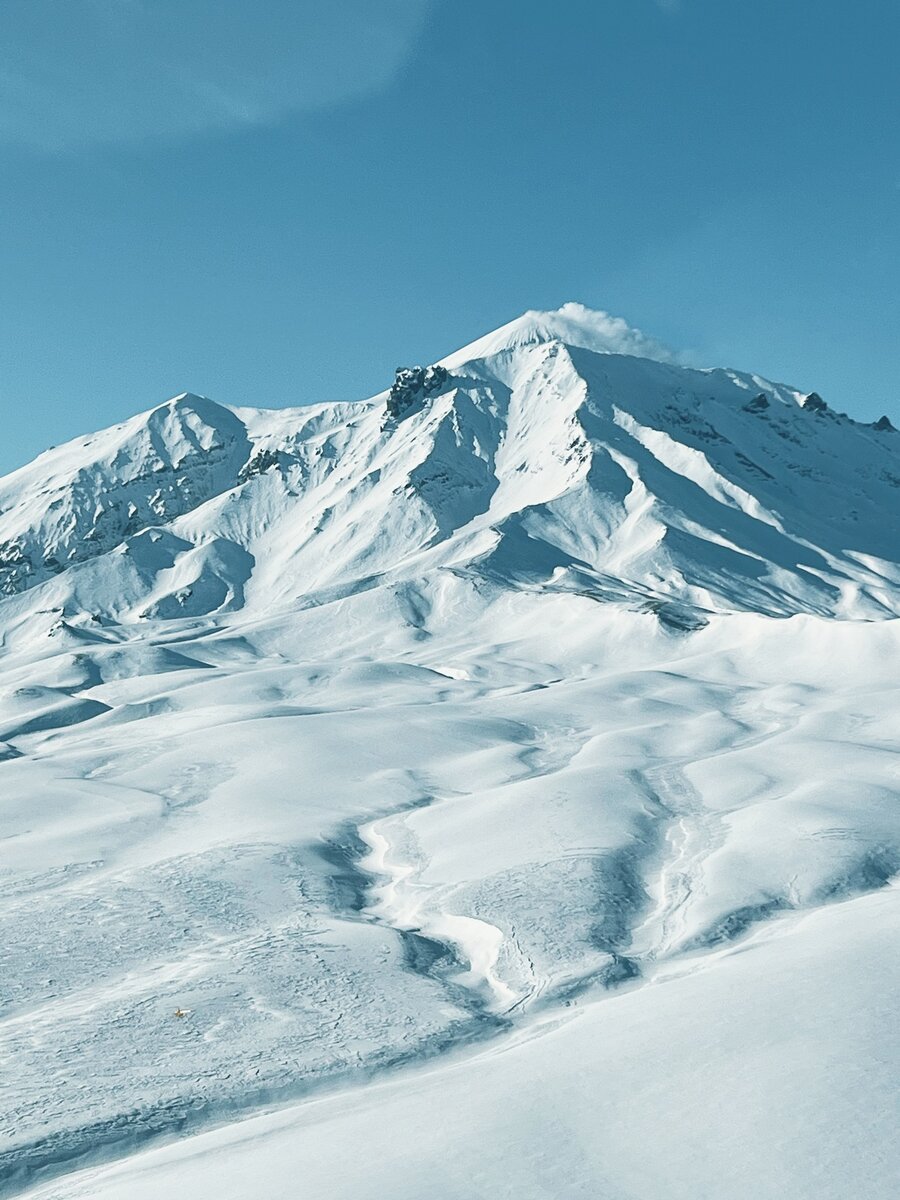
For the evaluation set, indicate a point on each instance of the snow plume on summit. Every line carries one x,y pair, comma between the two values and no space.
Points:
545,702
573,324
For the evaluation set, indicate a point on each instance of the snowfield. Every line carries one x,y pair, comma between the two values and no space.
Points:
499,799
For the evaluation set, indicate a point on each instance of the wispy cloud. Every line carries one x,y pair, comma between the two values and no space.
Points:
82,72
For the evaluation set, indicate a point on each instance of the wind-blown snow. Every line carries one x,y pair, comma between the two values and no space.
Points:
572,324
530,758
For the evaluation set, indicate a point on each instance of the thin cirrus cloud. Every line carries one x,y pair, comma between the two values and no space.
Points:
75,73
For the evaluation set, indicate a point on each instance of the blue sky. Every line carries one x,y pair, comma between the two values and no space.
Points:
278,202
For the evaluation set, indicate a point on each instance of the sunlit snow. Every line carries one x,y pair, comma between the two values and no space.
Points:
496,800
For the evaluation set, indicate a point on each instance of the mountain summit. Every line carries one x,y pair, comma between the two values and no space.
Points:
573,324
565,451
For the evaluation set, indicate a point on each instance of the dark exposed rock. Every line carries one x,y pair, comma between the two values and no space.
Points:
412,385
757,405
883,425
815,403
753,467
262,461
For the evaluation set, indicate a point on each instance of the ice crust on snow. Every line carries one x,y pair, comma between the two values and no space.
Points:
546,733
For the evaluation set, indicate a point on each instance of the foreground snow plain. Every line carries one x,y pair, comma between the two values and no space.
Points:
494,872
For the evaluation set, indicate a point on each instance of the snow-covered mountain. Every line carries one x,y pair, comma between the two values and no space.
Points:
547,457
533,719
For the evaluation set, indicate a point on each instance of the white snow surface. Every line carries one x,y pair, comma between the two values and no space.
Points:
498,801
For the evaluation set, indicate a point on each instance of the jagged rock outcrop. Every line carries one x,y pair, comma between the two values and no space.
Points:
412,385
884,425
758,404
262,461
814,403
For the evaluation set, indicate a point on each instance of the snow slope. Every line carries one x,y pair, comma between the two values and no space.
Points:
714,1085
502,799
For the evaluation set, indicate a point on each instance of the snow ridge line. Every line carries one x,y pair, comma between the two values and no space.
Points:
399,901
366,882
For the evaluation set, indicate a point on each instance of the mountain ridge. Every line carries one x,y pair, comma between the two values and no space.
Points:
596,463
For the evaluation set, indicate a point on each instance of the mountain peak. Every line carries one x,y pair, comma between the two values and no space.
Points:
192,409
572,323
187,404
604,469
186,399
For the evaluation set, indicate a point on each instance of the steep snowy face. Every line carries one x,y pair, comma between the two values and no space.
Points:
565,452
81,500
715,490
